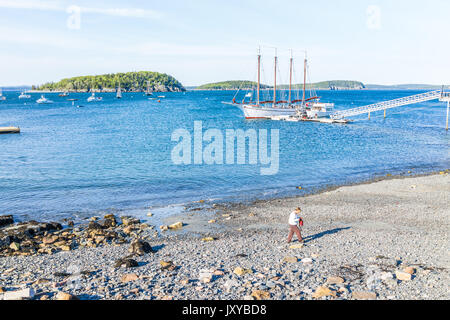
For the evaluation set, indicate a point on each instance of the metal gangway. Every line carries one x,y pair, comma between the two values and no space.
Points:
427,96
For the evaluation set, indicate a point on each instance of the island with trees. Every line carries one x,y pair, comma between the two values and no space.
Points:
129,82
244,85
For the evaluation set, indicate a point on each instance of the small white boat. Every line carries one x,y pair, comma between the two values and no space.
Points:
94,98
23,95
161,96
2,97
43,100
319,109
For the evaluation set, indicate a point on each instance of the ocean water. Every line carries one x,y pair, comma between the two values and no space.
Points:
115,155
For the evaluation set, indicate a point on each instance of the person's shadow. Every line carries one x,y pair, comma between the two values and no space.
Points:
323,233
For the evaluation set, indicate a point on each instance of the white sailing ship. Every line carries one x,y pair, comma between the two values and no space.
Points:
285,106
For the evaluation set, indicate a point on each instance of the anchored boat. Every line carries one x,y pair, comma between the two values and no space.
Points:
94,98
278,105
43,100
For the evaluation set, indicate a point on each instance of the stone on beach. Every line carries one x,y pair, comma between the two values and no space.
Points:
290,259
364,295
260,294
27,293
65,296
140,247
206,239
241,271
176,225
403,276
296,246
6,220
323,291
126,262
129,277
335,280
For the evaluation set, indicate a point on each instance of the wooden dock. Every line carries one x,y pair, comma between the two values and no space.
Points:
9,130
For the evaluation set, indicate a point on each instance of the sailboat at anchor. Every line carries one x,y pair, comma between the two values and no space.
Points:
277,105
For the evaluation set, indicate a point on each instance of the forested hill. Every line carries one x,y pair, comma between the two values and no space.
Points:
236,84
230,85
129,81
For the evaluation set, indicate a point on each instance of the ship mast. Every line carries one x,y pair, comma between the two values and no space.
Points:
275,81
304,81
290,78
259,75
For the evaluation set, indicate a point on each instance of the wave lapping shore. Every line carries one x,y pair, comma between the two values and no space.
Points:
382,240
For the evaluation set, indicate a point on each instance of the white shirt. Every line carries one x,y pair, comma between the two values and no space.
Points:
293,218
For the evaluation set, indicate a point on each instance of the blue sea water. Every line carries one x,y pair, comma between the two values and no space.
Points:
71,162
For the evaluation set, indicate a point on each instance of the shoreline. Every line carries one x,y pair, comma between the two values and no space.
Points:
376,240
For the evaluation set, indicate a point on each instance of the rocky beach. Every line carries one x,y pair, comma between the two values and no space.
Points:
380,240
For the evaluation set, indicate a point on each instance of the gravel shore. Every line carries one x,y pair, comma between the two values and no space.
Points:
382,240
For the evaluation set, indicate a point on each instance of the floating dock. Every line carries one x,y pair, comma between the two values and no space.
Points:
9,130
297,119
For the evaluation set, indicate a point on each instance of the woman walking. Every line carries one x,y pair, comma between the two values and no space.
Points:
294,221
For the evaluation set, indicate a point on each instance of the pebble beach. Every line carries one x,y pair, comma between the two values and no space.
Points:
378,240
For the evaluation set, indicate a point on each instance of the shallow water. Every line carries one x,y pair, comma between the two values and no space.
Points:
116,154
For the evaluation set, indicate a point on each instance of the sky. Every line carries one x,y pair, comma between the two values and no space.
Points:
201,41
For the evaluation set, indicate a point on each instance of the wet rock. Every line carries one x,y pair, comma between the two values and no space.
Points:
6,220
176,225
94,226
126,262
140,247
127,220
15,246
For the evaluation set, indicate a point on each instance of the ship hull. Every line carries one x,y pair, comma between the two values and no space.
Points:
258,112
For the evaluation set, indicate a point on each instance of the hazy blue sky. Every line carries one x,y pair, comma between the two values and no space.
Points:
391,41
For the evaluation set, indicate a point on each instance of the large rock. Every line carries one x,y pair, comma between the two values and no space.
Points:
6,220
140,247
126,262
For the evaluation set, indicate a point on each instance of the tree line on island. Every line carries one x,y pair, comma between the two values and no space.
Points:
245,85
129,82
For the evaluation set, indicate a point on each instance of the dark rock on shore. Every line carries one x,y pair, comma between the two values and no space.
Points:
6,220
